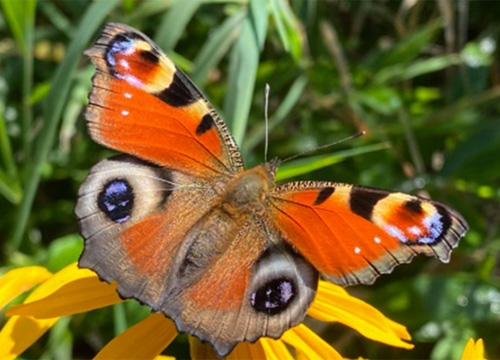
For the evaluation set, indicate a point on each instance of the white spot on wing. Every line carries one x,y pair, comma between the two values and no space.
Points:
125,112
124,64
377,240
357,250
395,232
415,230
132,80
128,95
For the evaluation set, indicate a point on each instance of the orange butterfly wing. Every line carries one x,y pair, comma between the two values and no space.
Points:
352,234
143,105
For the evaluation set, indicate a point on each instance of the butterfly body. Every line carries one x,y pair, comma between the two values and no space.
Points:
227,254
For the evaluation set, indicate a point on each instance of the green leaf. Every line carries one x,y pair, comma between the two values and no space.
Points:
19,15
408,48
382,99
64,251
174,22
292,97
221,38
243,65
307,165
401,72
89,23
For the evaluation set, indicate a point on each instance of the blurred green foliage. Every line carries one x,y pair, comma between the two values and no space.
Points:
420,77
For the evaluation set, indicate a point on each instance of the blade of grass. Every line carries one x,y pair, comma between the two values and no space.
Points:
304,166
14,15
216,47
293,28
401,72
29,21
120,323
174,23
58,18
147,8
91,20
279,24
20,17
243,65
291,98
9,188
5,148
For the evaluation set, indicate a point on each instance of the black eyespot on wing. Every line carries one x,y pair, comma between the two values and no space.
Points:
206,123
414,206
274,296
178,94
324,194
116,200
363,200
150,56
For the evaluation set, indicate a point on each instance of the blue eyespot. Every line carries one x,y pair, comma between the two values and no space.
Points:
274,296
116,200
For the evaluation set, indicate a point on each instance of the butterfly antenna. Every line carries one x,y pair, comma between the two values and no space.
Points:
357,135
266,143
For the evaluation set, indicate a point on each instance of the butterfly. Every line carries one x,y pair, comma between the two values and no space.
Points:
182,227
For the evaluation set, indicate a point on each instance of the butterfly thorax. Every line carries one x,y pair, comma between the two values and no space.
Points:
245,194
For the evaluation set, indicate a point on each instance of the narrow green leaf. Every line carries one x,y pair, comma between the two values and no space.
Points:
9,188
305,166
216,47
293,29
174,23
244,61
58,18
89,23
5,148
401,72
120,323
410,47
13,14
279,23
291,98
28,59
147,8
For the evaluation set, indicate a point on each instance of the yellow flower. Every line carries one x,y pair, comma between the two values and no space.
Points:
73,290
474,350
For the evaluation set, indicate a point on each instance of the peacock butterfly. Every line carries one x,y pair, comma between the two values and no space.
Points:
223,251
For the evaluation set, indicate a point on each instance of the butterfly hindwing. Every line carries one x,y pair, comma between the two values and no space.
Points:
133,216
352,233
258,286
162,236
143,105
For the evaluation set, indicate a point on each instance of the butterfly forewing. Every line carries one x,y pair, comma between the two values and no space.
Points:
352,234
142,104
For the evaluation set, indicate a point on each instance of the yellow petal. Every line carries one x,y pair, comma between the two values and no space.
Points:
17,281
201,350
144,340
275,349
309,343
333,303
473,351
77,296
20,332
245,350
